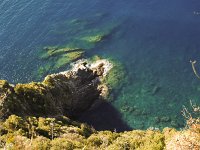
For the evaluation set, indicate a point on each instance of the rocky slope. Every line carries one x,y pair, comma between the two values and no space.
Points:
66,93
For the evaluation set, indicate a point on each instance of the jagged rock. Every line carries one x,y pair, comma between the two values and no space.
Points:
66,93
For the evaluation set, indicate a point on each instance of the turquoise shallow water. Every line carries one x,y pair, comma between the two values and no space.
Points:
154,41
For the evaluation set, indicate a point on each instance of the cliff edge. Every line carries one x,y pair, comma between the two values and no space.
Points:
66,93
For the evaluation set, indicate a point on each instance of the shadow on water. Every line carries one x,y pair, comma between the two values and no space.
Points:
104,117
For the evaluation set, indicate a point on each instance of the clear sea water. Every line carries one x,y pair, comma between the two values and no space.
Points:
154,40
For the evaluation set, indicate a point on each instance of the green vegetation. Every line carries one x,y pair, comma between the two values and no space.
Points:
63,133
3,84
43,133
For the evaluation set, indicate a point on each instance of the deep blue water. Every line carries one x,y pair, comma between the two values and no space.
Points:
154,41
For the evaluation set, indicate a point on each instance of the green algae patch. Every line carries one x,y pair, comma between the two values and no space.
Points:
78,26
68,58
46,52
78,35
95,58
44,70
93,39
83,44
56,51
55,58
115,79
81,33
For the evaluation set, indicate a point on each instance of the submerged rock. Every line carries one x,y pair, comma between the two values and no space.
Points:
55,58
93,39
68,58
49,52
66,93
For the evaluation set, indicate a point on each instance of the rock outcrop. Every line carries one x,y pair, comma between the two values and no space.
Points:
66,93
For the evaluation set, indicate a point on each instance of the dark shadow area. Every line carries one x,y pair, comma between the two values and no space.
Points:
104,117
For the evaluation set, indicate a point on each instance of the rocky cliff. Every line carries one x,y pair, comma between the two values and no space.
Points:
66,93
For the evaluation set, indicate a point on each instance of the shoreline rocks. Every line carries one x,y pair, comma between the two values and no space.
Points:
66,93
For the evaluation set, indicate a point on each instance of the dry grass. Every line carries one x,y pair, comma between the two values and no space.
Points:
189,138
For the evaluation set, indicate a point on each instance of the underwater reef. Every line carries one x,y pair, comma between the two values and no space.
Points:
40,115
80,39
